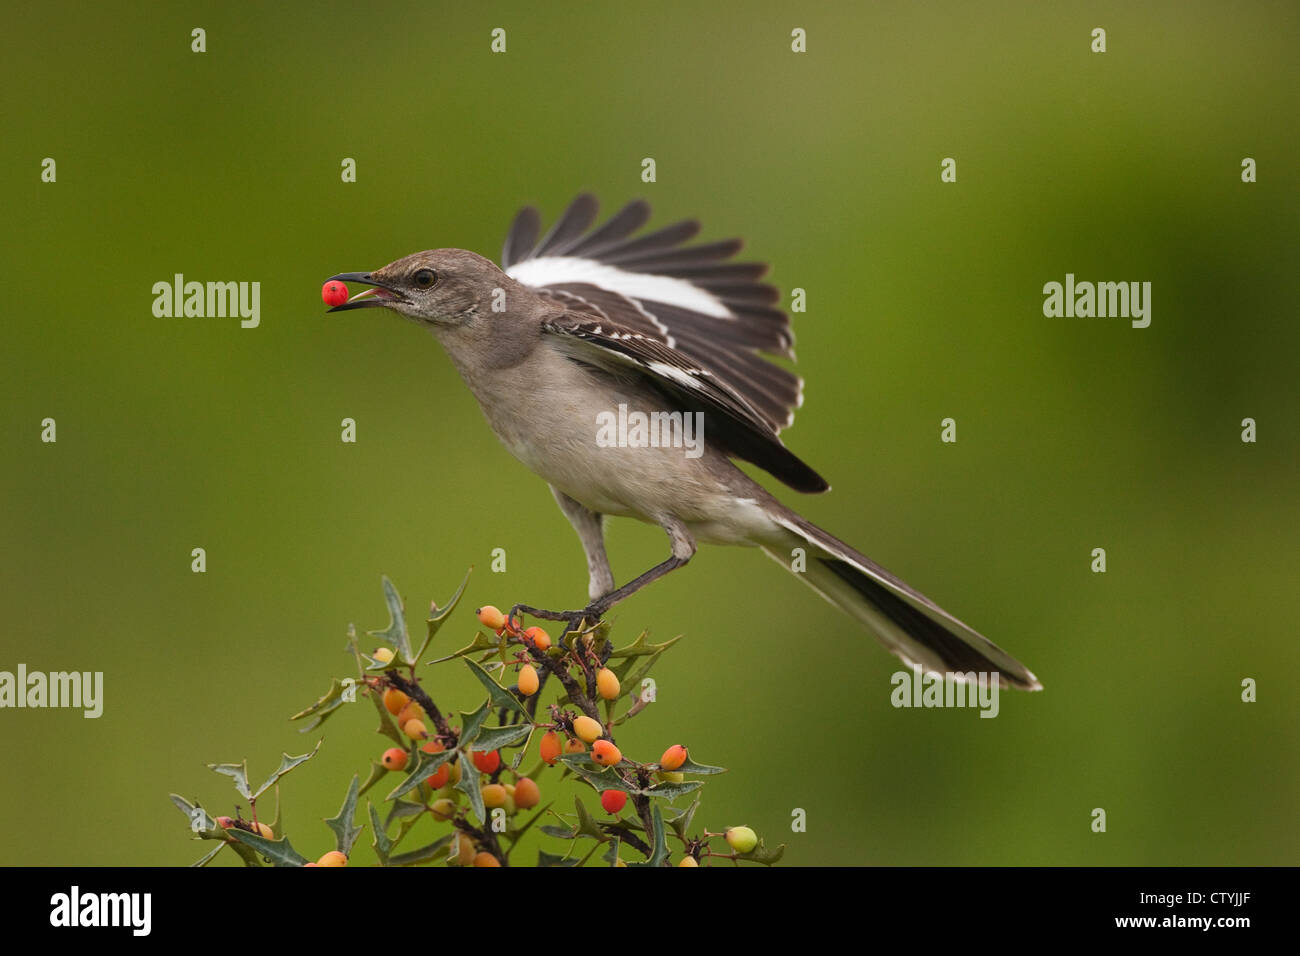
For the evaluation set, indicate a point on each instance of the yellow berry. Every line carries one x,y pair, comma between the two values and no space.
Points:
412,711
574,746
492,617
264,831
333,858
443,809
689,861
528,680
742,839
607,684
586,728
527,793
415,729
494,795
383,654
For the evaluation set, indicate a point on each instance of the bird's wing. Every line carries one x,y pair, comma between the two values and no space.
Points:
640,349
716,315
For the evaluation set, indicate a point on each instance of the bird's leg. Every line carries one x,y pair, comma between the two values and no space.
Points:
591,532
683,546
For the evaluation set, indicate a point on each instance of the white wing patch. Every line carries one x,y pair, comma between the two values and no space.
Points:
549,270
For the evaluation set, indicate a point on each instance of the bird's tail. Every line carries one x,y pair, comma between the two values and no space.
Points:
907,622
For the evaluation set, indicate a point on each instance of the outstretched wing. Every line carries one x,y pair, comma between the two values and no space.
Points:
681,315
715,313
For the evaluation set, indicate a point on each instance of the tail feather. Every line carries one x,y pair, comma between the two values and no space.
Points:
907,622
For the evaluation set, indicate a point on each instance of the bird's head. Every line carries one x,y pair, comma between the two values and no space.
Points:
438,287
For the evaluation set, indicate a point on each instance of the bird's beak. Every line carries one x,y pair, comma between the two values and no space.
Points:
379,295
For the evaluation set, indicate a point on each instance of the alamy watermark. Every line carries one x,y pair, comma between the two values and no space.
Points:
75,689
213,300
637,429
918,688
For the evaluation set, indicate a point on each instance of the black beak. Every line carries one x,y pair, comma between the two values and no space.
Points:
376,296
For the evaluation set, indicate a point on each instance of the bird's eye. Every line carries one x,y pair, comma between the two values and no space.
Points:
425,278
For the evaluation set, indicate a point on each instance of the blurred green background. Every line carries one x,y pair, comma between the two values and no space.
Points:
924,301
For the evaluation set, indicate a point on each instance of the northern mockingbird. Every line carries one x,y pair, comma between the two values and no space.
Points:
590,333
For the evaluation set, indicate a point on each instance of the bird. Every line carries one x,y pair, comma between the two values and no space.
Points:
591,324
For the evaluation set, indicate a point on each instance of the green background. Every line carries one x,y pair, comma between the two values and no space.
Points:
924,302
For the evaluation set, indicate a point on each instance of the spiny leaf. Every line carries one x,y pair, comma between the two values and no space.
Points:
481,642
658,845
395,634
671,791
587,825
681,822
604,779
423,854
761,854
425,767
494,738
207,857
468,785
500,696
239,771
471,722
381,842
377,772
327,704
692,767
438,615
345,834
550,859
280,852
287,763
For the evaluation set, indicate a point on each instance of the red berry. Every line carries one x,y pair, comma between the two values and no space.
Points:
488,762
613,800
334,293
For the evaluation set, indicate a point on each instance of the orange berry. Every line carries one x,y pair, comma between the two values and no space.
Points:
539,637
550,746
395,758
689,861
527,793
487,762
486,859
412,711
574,746
586,728
492,617
415,729
613,800
607,685
494,795
528,680
673,757
394,700
605,753
264,831
462,849
333,858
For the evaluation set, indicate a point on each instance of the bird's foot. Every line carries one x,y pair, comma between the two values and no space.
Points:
575,622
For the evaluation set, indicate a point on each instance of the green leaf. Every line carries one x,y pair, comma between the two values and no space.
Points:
559,832
470,724
280,852
550,859
381,842
401,809
330,701
606,778
681,822
587,825
658,844
671,791
494,738
641,648
423,854
481,642
692,767
468,785
377,772
189,809
239,771
438,615
425,767
345,834
207,857
761,854
287,763
500,696
395,634
610,855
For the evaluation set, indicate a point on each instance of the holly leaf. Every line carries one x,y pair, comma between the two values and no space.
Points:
381,842
500,696
603,779
550,859
329,702
671,791
438,615
659,846
395,634
423,854
287,763
587,825
692,767
494,738
481,642
425,767
681,822
471,722
468,785
761,854
280,852
345,834
238,772
207,857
